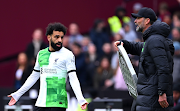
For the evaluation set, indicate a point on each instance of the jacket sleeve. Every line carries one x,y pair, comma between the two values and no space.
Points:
133,48
157,51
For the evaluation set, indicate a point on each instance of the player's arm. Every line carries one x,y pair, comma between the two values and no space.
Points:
74,82
31,80
133,48
77,89
159,55
26,86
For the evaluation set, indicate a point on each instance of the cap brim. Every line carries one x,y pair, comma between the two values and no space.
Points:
135,15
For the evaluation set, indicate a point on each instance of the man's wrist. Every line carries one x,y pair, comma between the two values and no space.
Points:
160,92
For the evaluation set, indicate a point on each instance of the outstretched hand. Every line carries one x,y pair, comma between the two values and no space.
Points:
117,43
12,101
84,106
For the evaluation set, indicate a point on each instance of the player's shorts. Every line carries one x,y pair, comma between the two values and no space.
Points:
49,109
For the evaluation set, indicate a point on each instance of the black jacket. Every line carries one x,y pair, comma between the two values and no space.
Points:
155,67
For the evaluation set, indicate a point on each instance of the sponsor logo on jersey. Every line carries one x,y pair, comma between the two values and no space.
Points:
48,70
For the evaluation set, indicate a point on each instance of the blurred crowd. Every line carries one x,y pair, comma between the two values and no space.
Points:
95,56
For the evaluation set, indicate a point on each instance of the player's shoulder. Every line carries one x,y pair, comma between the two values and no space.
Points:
67,51
42,51
156,40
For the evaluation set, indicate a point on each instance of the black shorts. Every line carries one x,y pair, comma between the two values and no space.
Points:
49,109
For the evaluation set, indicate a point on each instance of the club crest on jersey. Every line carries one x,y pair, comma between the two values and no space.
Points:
55,61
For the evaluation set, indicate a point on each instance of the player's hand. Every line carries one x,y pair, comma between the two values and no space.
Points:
163,101
84,106
12,101
117,43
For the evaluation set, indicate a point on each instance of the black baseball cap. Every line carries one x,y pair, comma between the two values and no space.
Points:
146,13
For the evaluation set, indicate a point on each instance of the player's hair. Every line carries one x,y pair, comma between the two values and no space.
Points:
55,27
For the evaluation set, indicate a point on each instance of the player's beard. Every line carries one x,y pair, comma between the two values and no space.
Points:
55,47
140,27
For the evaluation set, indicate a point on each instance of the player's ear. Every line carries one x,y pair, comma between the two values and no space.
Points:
147,21
48,37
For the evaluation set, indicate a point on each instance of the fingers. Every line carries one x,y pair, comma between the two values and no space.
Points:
9,96
12,101
163,101
164,104
116,44
83,107
122,43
